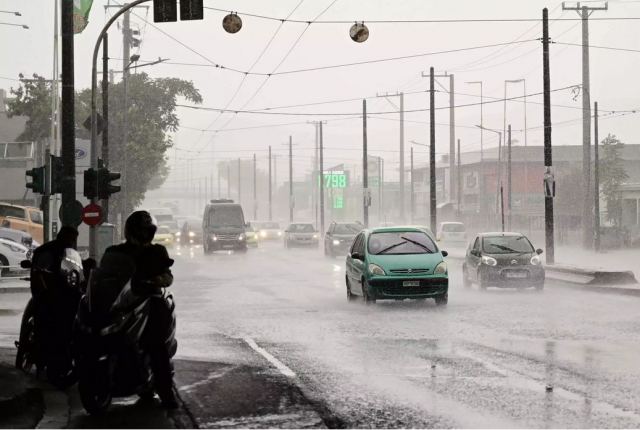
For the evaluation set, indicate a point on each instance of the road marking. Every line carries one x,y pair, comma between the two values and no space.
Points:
270,358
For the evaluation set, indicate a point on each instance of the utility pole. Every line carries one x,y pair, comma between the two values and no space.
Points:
432,150
219,178
596,181
481,206
365,170
126,54
413,196
402,173
239,182
548,159
459,181
291,202
509,177
270,185
228,179
321,149
255,188
584,12
105,114
67,121
380,188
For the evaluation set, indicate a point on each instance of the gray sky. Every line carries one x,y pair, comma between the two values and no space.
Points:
612,72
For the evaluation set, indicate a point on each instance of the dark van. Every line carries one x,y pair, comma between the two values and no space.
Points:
223,227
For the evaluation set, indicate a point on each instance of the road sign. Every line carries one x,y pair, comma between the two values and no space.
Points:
92,214
74,212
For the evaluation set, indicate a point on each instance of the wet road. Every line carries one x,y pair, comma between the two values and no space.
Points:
501,358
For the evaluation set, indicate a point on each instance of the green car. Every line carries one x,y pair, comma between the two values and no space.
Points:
396,263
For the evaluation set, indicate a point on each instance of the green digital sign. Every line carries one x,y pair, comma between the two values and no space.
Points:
336,179
338,202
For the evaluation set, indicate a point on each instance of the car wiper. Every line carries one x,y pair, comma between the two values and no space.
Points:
417,243
389,248
504,248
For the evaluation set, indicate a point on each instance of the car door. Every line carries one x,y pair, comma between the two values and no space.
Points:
358,264
474,259
349,268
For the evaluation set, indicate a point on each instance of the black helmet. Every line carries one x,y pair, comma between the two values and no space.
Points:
140,227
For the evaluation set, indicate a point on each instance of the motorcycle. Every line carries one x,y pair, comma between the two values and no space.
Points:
48,346
111,361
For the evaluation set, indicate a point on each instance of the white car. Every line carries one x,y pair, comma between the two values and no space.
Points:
11,255
452,233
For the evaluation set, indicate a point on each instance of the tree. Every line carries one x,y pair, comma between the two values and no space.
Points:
151,118
612,175
33,100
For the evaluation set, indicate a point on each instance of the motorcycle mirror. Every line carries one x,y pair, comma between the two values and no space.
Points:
25,264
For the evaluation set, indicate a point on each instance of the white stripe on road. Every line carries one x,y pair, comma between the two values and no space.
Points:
270,358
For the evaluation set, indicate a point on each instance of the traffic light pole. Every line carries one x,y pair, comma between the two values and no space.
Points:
45,206
105,115
548,160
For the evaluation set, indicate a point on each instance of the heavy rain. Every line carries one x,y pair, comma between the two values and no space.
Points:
319,214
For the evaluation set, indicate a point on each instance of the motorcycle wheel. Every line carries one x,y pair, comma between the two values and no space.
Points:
95,399
25,357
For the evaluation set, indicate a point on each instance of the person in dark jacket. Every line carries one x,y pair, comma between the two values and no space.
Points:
147,266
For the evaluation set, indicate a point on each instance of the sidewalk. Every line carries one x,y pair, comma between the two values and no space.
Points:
617,259
13,285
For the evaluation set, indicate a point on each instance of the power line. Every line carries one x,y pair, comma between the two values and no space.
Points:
612,48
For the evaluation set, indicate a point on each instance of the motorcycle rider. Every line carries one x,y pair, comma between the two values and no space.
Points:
54,304
139,253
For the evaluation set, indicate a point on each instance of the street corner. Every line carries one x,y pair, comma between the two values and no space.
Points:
21,400
222,395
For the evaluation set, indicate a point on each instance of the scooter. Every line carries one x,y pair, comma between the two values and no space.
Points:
111,362
48,348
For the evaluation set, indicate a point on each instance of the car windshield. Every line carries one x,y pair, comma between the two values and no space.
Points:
164,217
163,230
11,211
506,245
226,216
347,229
401,242
301,228
453,228
270,226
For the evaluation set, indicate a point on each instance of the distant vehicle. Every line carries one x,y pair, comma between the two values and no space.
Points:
396,263
252,236
223,227
164,216
301,234
453,233
339,237
18,236
23,218
506,260
269,230
11,255
164,236
190,232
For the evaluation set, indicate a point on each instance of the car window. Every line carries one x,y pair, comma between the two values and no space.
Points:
226,216
354,245
301,228
347,228
453,228
506,244
270,225
36,217
476,244
163,230
358,244
12,211
401,242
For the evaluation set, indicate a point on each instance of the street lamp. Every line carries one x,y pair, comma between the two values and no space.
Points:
481,175
526,159
498,165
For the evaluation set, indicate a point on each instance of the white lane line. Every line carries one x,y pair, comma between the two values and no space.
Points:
270,358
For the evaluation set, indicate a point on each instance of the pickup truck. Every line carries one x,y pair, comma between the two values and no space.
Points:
23,218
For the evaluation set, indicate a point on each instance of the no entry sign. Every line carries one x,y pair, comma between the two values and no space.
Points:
92,214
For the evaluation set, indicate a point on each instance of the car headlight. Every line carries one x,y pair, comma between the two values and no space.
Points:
536,261
441,269
336,242
214,238
241,237
315,236
263,233
15,248
279,233
489,261
192,234
376,270
178,234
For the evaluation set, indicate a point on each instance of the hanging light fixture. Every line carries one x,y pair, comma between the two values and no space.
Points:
232,23
359,32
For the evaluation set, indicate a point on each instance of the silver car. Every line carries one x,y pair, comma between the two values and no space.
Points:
301,234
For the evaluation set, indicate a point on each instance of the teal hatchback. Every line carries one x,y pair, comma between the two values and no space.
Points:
396,263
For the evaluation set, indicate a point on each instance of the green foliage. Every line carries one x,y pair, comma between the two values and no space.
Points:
32,99
612,175
150,118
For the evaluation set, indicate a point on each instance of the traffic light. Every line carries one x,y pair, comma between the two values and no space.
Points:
57,175
165,11
191,9
105,188
37,175
90,183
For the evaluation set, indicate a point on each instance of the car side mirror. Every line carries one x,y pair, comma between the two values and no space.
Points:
327,233
539,251
444,253
357,256
25,264
475,253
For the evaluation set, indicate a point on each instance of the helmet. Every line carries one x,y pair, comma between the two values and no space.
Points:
140,227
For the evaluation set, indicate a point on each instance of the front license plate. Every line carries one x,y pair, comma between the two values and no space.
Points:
227,246
410,283
516,275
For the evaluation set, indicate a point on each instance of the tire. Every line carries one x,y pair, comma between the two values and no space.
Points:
206,249
539,287
466,282
482,283
25,357
94,389
350,296
4,262
442,300
368,300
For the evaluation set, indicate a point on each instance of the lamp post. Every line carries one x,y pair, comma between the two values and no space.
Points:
498,166
481,175
526,158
